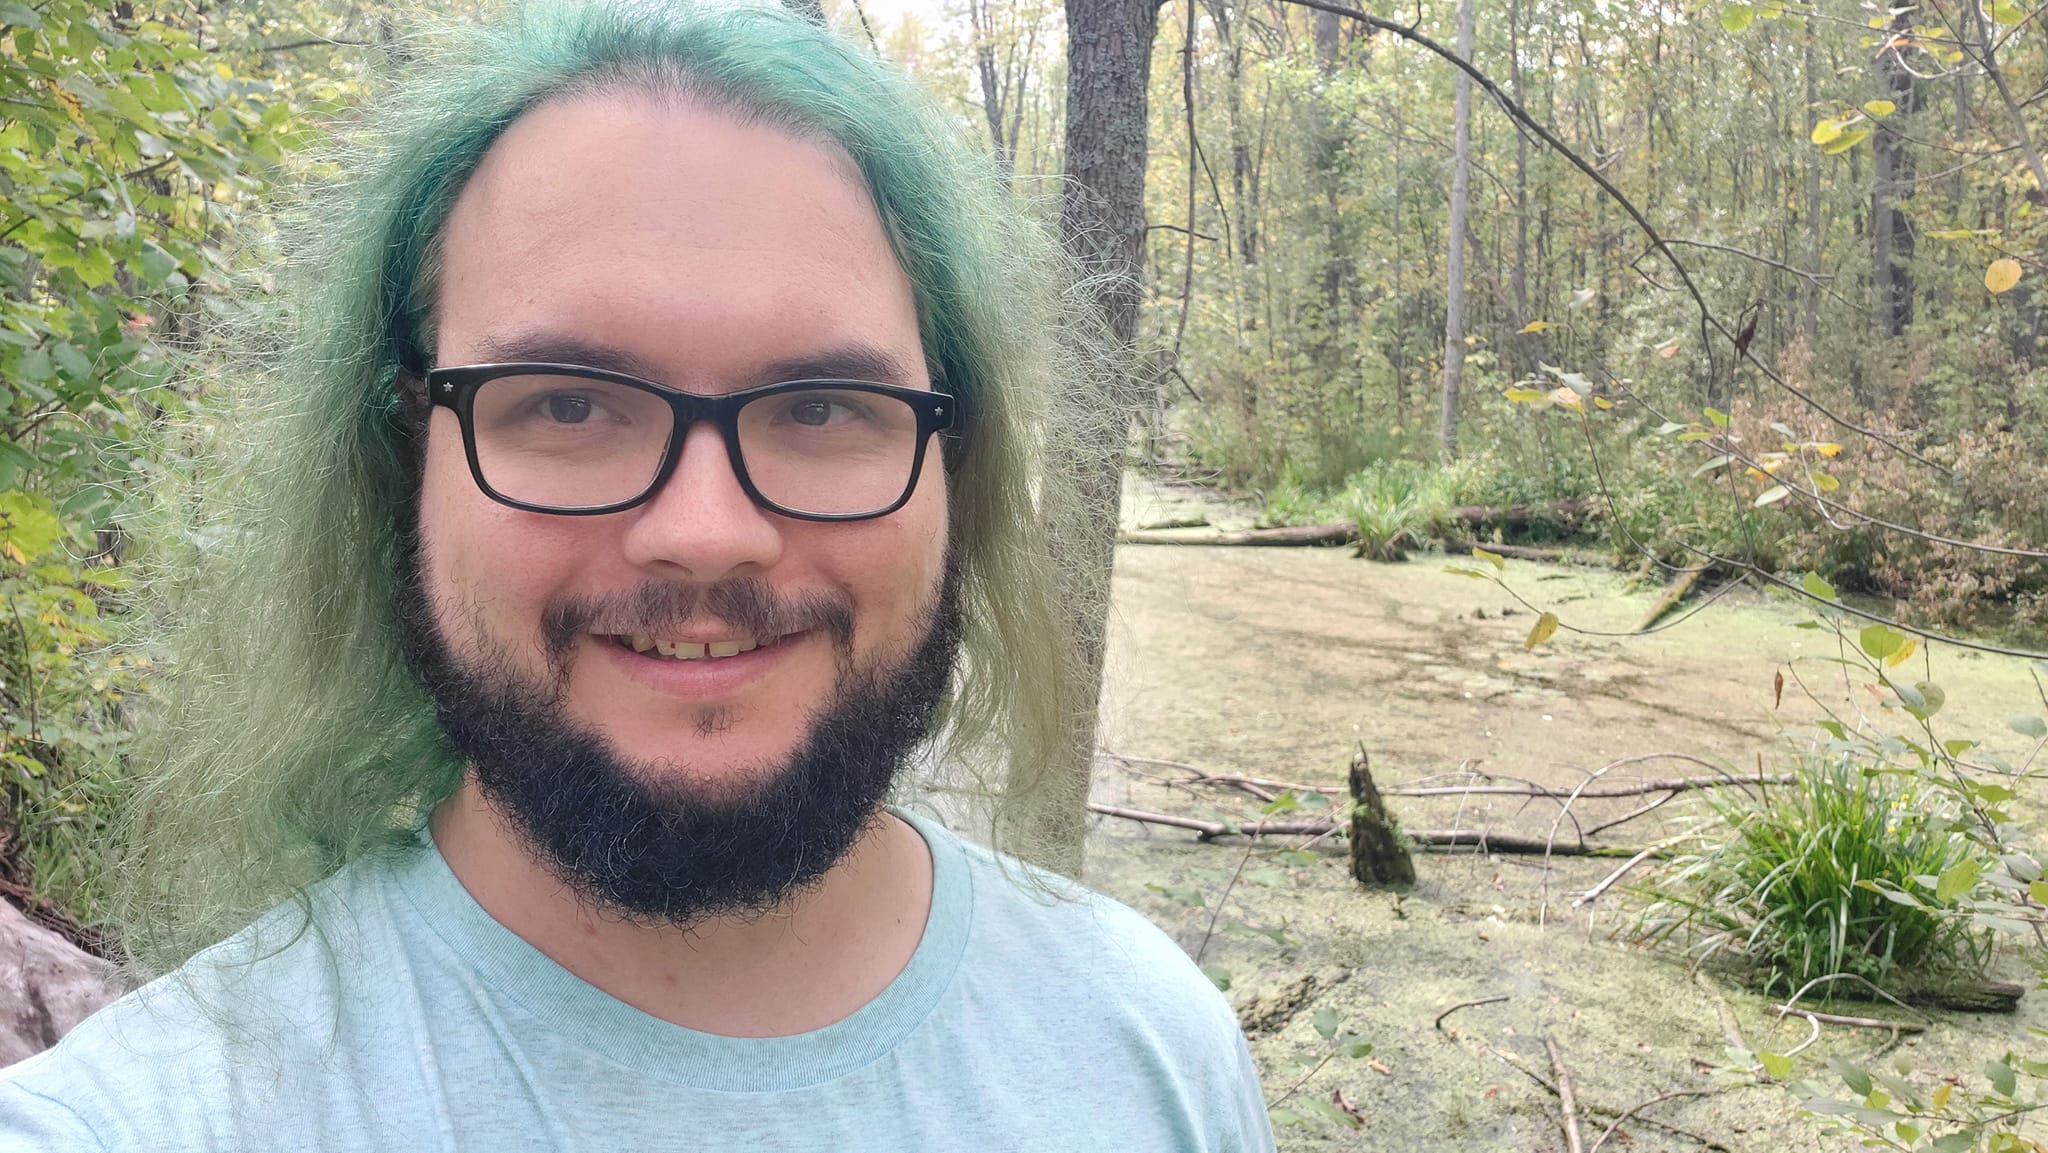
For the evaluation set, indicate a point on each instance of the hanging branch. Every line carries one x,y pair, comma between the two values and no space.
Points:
1710,322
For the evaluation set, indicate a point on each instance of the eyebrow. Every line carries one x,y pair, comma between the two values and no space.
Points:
856,360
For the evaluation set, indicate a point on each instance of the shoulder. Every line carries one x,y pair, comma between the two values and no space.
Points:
156,1068
1062,936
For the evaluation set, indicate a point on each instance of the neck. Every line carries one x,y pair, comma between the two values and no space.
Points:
797,967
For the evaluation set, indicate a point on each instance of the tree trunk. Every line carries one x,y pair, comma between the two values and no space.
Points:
1102,216
1891,233
1454,292
1809,287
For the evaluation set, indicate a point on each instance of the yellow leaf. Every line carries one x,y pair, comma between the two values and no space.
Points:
1941,1093
1826,130
2002,275
1823,481
1754,474
1905,650
1602,402
1845,141
13,552
1536,326
1493,559
1880,108
73,107
1523,395
1828,449
1546,627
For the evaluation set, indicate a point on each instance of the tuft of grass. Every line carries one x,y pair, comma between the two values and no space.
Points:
1789,883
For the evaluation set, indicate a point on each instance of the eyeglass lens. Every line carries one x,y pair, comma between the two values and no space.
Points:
571,442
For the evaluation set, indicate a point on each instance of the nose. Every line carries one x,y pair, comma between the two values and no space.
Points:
701,522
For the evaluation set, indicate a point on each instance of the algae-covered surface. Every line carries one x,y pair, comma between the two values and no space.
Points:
1281,663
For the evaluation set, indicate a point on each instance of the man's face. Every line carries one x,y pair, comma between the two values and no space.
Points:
681,246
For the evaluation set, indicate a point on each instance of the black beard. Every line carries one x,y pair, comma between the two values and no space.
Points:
645,841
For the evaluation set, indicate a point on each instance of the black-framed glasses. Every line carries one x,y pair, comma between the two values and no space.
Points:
563,438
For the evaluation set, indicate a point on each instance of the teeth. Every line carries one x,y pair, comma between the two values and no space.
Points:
690,651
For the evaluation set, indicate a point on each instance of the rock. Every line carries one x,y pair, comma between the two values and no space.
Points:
47,985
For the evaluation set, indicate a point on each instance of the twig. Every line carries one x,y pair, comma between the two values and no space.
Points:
1276,1102
1852,1022
1632,1111
1224,899
1438,1024
1593,894
1572,1140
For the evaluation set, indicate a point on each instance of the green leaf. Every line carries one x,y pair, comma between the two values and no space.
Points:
1772,495
1931,699
1777,1065
2007,12
1719,418
1957,880
1268,878
19,15
1815,586
1852,1075
1961,1141
1460,570
1544,629
1186,895
1880,108
2003,1080
2038,891
28,525
1493,559
1218,976
2028,725
14,461
1325,1022
1881,641
1737,17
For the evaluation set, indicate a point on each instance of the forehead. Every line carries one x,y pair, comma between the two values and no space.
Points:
698,246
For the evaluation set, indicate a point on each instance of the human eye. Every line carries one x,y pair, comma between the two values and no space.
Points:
565,408
824,409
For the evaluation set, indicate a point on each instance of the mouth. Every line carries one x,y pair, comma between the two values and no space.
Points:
666,649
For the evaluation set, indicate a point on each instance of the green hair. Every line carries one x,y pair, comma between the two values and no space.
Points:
287,737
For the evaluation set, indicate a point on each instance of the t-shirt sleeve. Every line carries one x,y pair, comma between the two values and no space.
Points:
33,1123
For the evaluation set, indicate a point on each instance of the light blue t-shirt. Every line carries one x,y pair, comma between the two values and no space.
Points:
1020,1023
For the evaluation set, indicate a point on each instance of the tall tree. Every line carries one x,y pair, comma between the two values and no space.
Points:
1102,215
1454,292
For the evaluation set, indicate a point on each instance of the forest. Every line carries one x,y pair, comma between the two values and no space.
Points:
1574,510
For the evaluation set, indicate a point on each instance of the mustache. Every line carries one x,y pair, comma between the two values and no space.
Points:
744,604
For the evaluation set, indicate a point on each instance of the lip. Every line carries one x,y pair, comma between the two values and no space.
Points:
701,680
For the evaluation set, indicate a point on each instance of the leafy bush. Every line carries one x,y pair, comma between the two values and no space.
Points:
1397,506
1794,882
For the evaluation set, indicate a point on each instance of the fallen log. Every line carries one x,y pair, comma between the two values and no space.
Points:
1445,839
1292,536
1677,592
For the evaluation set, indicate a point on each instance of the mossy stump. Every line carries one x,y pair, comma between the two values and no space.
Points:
1379,853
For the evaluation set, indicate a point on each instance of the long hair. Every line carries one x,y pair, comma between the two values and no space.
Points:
287,737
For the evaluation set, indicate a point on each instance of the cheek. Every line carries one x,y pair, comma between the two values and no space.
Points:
482,561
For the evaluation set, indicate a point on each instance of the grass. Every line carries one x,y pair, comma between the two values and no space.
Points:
1784,883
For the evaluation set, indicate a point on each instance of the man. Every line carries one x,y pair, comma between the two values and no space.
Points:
649,481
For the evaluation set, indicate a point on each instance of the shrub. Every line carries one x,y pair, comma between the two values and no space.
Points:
1791,883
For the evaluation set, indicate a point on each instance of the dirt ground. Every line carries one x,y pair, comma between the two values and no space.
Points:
1280,663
